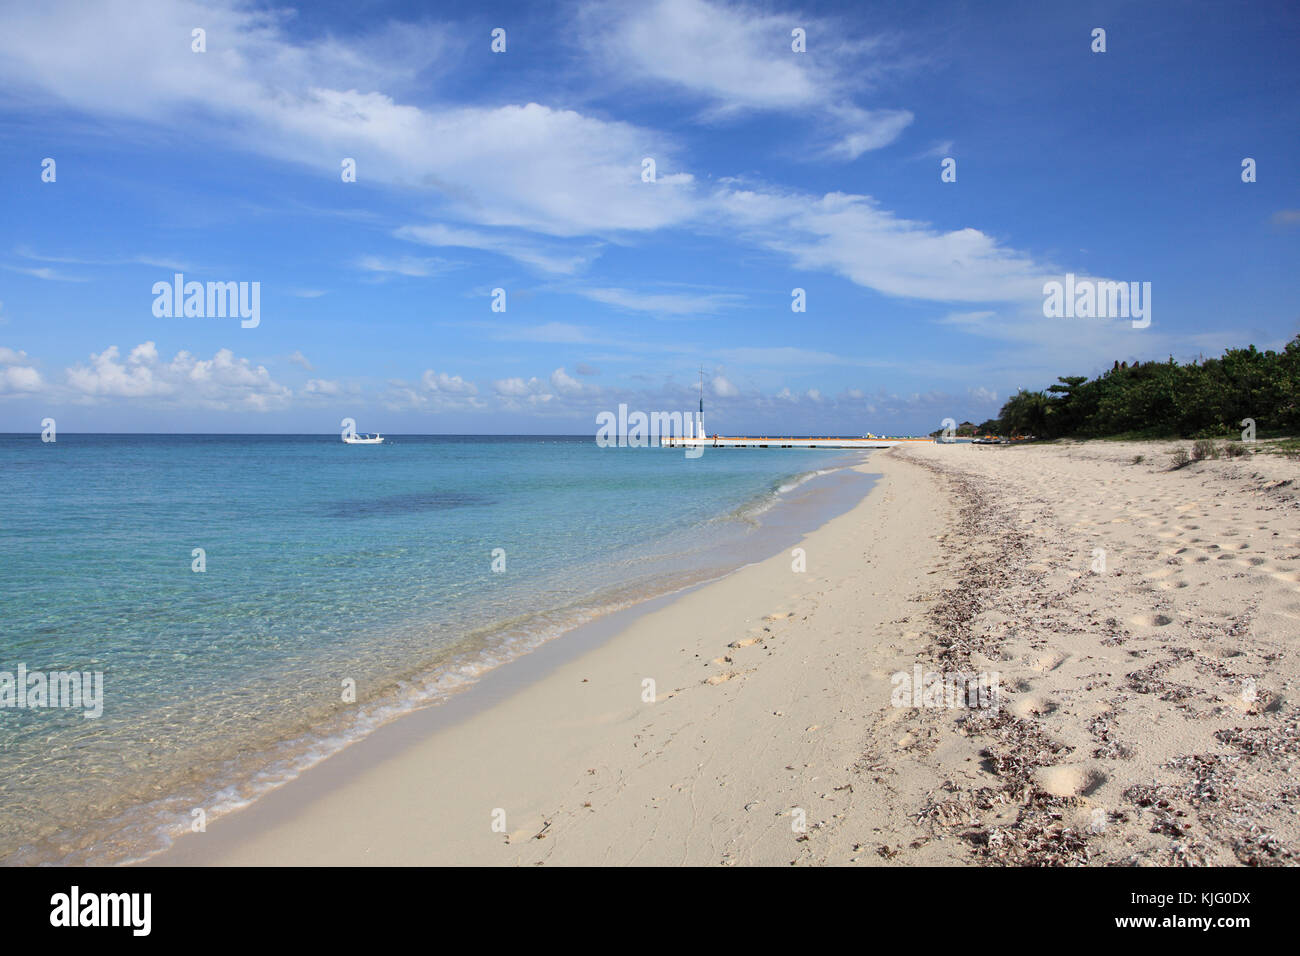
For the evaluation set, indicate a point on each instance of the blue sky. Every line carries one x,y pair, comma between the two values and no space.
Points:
522,170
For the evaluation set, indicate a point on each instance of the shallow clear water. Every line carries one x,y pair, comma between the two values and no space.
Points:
325,563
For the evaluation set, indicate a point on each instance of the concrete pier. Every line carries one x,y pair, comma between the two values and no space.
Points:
722,441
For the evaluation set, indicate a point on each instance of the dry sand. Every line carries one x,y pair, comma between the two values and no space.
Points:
1145,712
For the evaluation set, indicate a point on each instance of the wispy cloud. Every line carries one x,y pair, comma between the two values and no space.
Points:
552,171
530,253
526,180
45,272
664,303
738,57
853,236
404,266
158,262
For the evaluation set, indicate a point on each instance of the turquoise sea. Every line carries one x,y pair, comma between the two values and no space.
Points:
326,565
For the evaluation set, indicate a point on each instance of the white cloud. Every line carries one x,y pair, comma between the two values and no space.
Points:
46,273
518,393
297,358
723,388
852,236
308,101
562,381
223,381
436,392
404,265
939,150
16,376
157,262
447,384
19,378
108,376
144,354
322,387
515,387
510,169
738,57
864,130
669,303
529,253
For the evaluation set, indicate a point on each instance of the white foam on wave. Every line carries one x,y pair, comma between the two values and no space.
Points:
145,831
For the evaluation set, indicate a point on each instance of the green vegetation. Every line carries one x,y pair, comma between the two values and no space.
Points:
1202,399
1290,447
1204,448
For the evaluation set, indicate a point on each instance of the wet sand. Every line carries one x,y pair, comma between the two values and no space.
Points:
1141,622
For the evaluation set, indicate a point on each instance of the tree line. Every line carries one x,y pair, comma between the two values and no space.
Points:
1202,399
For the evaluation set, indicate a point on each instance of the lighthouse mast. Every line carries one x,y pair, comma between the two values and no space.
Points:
699,416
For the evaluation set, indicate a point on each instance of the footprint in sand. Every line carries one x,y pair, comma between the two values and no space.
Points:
721,678
1070,781
1048,662
1034,706
1151,620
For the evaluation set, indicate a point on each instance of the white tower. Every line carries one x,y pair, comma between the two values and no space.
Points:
699,416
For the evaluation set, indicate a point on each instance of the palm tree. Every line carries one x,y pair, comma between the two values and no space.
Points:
1026,413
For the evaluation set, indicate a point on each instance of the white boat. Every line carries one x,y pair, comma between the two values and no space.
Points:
363,439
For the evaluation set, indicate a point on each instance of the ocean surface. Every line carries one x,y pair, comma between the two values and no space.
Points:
327,566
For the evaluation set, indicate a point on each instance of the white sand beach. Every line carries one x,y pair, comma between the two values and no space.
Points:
1145,713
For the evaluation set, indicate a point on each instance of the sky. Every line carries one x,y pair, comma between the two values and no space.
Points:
526,170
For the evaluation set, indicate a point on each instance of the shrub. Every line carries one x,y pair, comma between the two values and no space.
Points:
1180,457
1138,459
1204,448
1235,450
1207,398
